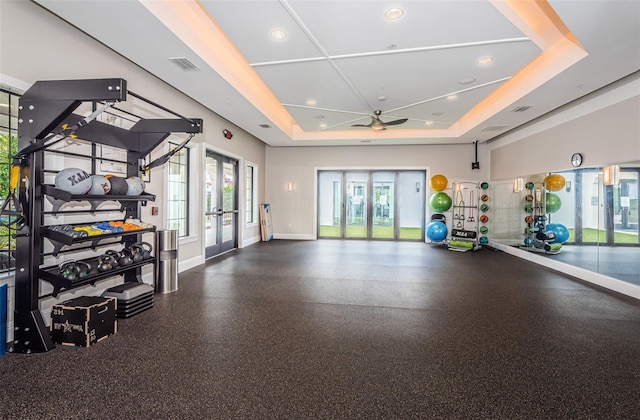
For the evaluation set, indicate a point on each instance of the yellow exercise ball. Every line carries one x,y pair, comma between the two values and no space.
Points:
554,182
438,182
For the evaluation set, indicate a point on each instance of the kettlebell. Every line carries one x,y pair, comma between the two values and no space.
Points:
126,257
115,255
137,252
105,263
72,270
145,248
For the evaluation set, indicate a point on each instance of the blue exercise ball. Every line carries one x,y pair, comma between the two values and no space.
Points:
437,231
561,232
528,241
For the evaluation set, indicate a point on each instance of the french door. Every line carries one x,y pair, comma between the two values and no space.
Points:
221,204
385,205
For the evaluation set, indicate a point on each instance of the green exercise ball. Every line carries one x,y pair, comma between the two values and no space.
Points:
440,202
552,202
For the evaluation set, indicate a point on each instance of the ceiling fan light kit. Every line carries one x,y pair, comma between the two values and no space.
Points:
377,124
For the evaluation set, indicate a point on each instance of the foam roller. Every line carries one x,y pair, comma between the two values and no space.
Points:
552,247
461,244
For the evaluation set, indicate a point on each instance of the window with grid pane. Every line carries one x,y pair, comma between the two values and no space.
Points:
8,148
251,204
178,192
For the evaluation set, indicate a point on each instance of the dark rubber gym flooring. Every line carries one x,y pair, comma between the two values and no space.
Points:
346,329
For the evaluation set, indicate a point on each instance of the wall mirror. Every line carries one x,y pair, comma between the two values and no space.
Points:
590,217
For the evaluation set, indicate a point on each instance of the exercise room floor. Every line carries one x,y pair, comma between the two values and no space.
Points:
349,329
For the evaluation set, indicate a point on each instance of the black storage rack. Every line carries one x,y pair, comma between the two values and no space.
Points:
47,107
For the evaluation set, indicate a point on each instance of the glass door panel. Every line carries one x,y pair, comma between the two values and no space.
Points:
356,190
411,202
211,202
221,204
330,204
625,209
383,205
229,209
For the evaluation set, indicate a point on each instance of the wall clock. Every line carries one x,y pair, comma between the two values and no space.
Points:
576,159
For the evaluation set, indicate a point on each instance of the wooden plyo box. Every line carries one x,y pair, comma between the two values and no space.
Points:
83,321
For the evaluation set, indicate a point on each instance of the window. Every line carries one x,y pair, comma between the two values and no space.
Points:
178,196
251,194
8,147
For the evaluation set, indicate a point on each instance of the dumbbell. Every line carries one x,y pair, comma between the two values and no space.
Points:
90,231
139,223
103,231
68,230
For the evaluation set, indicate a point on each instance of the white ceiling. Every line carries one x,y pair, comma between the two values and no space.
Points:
345,56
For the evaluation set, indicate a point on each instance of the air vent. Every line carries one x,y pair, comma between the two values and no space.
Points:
265,126
521,108
184,63
495,128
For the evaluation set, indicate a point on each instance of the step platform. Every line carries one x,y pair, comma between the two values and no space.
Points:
132,298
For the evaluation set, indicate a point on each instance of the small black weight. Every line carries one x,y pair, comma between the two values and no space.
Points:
115,255
105,263
126,257
137,252
145,248
72,270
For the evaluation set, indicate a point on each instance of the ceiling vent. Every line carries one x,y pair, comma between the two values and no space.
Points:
521,108
495,128
184,63
265,126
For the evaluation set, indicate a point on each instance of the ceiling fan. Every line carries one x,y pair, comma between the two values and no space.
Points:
379,125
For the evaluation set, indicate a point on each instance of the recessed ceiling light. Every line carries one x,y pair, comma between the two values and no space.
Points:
452,97
311,102
467,81
278,34
323,125
485,60
394,13
428,122
382,98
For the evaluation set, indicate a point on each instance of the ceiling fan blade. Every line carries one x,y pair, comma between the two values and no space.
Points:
364,125
396,122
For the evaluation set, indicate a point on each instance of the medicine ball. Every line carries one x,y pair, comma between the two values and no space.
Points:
135,186
119,185
99,185
73,180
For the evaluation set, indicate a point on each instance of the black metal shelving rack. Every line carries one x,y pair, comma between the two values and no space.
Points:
45,108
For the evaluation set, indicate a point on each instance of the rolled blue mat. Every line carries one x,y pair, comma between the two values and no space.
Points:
3,319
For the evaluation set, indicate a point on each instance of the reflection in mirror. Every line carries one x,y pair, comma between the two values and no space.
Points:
590,220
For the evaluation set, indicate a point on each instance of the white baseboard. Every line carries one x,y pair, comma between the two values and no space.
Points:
250,241
190,263
616,285
295,236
